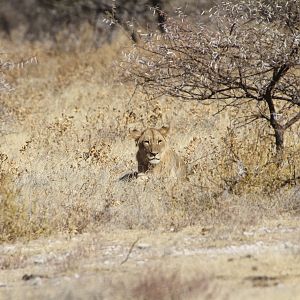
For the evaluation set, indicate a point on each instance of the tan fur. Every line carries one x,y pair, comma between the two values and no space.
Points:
154,155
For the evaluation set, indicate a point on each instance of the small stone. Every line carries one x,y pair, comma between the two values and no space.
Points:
39,260
37,281
143,246
248,233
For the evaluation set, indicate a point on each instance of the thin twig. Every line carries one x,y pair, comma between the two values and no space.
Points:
130,250
133,94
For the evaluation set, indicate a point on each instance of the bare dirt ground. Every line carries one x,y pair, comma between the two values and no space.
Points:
195,263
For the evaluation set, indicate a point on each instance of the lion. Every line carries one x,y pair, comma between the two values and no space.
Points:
154,156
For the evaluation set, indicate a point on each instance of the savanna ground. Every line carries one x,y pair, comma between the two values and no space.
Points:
71,230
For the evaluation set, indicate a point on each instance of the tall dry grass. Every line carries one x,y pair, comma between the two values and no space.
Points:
64,137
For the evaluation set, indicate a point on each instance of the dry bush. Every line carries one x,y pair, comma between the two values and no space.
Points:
17,219
248,53
249,167
13,216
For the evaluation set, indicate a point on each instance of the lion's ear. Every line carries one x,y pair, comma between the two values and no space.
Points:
164,131
135,134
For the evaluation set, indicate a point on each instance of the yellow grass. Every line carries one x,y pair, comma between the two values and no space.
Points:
64,146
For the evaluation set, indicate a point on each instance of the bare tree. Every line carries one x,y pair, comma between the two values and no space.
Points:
248,53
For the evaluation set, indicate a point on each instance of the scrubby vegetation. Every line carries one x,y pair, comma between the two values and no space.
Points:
244,58
64,146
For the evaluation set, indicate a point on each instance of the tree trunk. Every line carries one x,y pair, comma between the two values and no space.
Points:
279,139
161,17
277,127
279,142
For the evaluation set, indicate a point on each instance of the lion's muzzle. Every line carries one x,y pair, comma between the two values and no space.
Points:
154,158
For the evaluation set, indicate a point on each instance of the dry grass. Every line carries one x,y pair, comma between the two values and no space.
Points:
157,284
12,261
65,144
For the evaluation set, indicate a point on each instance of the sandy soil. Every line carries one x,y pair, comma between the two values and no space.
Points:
262,263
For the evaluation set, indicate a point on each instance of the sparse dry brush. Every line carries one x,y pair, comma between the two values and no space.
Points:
14,216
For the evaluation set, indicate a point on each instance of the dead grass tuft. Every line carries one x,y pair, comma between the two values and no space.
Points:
157,284
15,216
12,261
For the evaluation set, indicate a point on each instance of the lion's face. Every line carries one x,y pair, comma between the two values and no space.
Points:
152,143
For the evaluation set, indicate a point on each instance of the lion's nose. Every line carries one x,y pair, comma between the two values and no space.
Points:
153,153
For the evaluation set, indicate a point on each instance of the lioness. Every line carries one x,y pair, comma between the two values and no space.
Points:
155,156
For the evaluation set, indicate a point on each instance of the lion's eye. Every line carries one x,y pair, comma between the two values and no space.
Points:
159,142
146,142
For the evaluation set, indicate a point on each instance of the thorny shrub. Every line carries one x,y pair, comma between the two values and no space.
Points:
248,53
250,167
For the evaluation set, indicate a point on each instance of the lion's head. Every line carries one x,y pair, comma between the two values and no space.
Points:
152,144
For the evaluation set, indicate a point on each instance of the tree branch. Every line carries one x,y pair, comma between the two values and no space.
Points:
292,121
